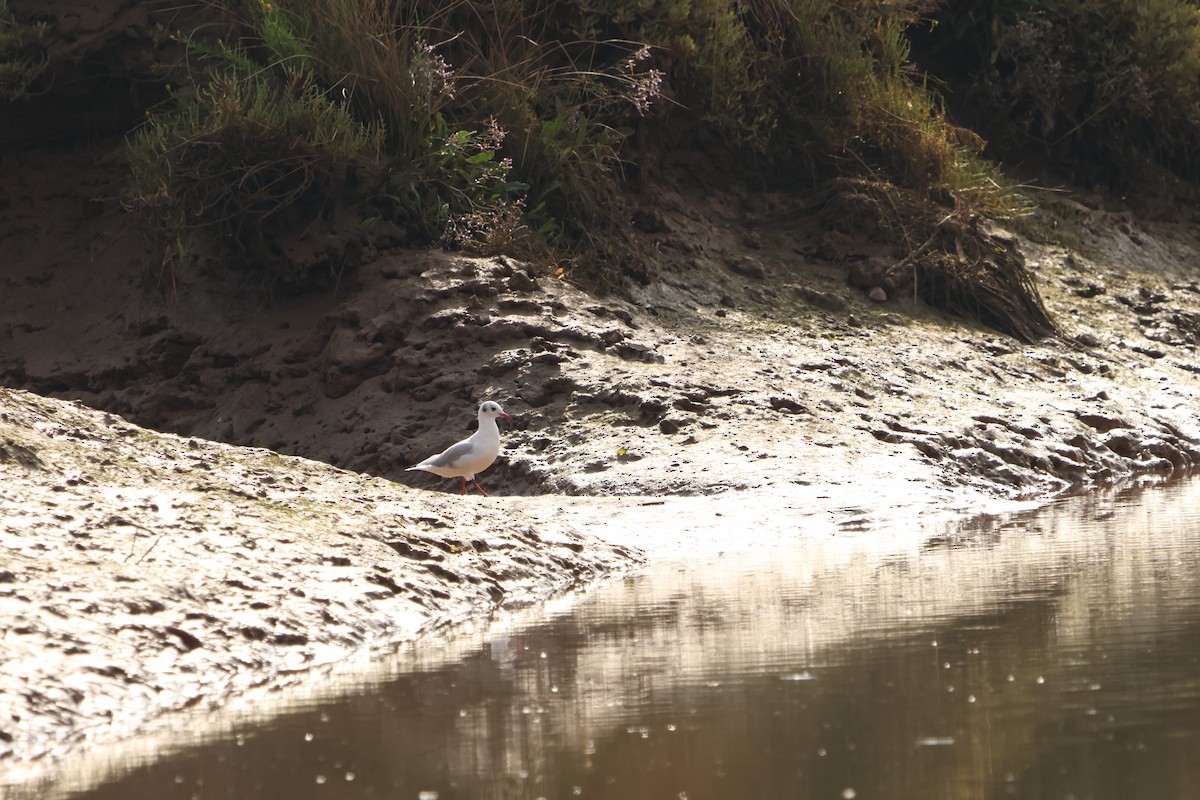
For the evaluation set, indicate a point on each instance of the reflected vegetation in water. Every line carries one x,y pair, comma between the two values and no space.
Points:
1048,655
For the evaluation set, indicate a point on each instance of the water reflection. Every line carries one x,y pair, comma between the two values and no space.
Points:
1048,655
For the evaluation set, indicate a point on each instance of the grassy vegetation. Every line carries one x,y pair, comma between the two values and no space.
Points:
1109,85
496,125
21,58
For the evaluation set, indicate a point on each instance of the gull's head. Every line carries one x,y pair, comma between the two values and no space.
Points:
492,410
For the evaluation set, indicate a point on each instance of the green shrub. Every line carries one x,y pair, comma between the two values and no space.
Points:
1106,83
349,87
243,159
493,127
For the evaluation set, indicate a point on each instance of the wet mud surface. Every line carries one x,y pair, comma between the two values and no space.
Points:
144,573
745,387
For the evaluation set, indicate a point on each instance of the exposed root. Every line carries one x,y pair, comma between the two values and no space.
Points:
949,260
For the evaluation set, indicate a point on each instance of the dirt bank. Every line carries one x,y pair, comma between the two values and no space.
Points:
746,362
741,393
746,393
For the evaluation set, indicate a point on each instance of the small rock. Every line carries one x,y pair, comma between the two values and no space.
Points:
747,266
688,404
1101,422
648,220
636,351
837,246
671,425
826,300
878,294
787,405
521,281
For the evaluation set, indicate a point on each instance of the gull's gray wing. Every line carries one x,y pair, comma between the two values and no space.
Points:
452,455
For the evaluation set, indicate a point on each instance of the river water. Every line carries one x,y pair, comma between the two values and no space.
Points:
1047,654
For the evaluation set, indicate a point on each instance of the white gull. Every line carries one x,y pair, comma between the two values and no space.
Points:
472,455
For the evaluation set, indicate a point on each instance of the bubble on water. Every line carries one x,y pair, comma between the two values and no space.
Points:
349,776
798,676
849,794
308,737
427,795
1040,679
321,779
935,741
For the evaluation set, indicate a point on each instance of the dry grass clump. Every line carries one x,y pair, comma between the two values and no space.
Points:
22,60
947,259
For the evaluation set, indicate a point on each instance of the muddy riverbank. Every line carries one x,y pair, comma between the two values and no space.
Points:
274,529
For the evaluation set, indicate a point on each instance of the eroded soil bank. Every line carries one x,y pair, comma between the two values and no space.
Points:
745,390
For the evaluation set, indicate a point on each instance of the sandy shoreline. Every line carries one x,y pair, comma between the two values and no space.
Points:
146,573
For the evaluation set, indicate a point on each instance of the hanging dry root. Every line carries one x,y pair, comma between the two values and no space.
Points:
946,259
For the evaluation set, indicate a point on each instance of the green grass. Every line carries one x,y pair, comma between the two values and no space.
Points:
503,126
22,60
1108,85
